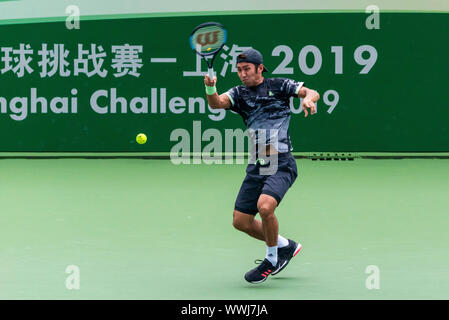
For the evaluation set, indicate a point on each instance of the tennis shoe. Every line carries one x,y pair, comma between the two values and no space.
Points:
285,254
261,272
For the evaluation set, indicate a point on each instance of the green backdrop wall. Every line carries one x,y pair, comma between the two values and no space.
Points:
382,90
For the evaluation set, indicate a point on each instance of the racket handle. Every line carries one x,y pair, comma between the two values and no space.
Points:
211,73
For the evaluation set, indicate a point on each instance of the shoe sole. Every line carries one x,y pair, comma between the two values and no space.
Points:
298,248
260,281
256,282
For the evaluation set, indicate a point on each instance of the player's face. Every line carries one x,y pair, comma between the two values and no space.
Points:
248,75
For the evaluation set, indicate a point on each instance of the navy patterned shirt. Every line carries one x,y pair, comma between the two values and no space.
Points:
266,109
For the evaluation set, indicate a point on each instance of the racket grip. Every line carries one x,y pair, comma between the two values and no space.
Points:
211,73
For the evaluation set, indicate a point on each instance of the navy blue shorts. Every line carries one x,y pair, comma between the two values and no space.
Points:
275,185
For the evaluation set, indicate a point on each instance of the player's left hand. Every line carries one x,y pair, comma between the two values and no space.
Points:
308,103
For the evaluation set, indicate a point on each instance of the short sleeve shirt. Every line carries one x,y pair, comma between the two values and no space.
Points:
266,109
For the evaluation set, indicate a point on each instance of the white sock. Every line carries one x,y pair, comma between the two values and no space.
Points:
272,255
282,242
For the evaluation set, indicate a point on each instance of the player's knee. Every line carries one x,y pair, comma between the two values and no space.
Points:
239,224
265,210
266,205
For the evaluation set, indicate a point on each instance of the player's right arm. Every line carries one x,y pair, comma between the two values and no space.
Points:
216,101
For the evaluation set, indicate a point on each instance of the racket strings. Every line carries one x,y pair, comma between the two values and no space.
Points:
208,40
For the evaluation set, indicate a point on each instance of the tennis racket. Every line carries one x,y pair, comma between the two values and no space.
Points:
206,40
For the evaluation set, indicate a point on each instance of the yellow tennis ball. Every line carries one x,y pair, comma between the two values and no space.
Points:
208,49
141,138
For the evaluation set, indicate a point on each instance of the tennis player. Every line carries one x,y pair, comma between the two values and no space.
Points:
264,104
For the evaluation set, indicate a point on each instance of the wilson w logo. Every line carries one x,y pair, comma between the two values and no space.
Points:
207,38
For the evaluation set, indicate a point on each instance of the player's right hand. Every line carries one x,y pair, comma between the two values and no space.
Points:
208,82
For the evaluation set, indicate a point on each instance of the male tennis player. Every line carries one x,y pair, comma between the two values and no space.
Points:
264,104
